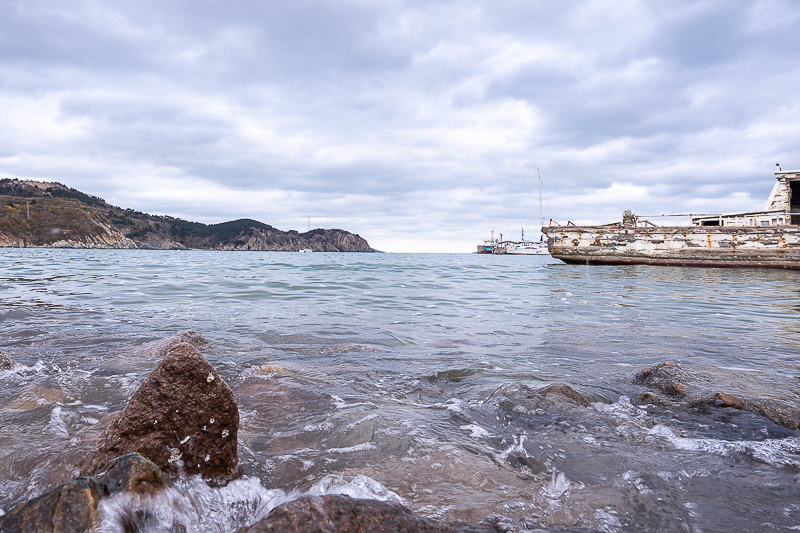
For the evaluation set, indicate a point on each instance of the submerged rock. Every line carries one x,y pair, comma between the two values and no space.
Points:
668,377
342,514
699,388
159,349
72,507
521,398
182,414
6,363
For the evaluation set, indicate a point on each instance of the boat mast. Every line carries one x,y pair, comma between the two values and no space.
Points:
541,210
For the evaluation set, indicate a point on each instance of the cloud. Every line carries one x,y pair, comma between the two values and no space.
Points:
418,125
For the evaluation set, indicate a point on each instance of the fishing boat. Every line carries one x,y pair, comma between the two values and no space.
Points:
521,247
769,238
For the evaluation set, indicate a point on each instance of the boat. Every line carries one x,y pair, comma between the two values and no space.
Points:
521,247
305,250
526,248
769,238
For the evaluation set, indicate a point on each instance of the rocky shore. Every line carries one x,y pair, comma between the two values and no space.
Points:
183,420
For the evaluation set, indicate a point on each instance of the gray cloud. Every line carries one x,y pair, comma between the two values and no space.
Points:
419,125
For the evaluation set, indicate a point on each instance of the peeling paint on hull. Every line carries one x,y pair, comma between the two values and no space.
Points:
727,246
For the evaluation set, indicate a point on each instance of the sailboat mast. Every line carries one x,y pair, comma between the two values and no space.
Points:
541,211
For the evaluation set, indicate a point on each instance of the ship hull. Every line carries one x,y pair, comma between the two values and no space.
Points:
726,246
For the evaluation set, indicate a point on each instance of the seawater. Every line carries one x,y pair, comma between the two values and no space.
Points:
394,376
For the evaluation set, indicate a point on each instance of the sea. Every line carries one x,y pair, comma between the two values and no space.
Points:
412,378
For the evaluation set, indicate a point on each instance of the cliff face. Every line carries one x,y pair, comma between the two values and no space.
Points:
38,214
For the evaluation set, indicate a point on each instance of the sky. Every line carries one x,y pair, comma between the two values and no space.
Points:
421,126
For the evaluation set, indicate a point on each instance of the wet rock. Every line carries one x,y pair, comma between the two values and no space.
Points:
33,396
159,349
72,507
728,400
668,377
521,398
131,473
182,414
778,412
698,389
521,461
342,514
6,363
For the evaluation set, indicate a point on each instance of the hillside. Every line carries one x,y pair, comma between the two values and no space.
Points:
43,214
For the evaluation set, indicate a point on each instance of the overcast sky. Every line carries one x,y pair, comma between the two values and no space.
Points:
418,125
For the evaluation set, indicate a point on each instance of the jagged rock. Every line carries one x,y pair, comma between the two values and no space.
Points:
72,507
668,377
159,349
130,473
183,413
342,514
521,398
698,389
6,362
778,412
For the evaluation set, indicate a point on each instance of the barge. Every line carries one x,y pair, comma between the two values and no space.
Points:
764,239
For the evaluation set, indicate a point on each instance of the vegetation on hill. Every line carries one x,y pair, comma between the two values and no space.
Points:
51,214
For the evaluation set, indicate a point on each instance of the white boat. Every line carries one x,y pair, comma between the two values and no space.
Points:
527,248
305,250
521,247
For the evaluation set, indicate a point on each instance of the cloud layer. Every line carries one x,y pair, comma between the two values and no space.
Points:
418,125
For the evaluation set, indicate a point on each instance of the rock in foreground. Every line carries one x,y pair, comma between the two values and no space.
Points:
183,413
342,514
72,507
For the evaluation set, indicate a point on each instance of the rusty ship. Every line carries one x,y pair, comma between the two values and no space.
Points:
769,238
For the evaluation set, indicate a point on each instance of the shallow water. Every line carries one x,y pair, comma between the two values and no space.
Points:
410,372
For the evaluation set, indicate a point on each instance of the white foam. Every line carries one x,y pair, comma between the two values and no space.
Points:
57,425
557,487
783,452
476,431
341,404
356,448
356,487
191,505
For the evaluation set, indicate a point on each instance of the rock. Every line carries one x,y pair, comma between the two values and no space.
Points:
182,413
72,507
697,389
130,473
668,377
342,514
6,363
521,398
728,400
159,349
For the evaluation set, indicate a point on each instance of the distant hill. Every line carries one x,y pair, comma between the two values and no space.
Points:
44,214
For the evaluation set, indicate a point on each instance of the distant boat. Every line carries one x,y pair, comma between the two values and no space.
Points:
305,250
527,248
521,247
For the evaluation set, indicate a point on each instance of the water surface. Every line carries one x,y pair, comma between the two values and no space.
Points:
404,375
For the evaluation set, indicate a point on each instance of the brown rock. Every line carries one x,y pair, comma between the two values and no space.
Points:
342,514
183,412
728,400
668,377
6,362
72,507
521,398
130,473
160,348
67,508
